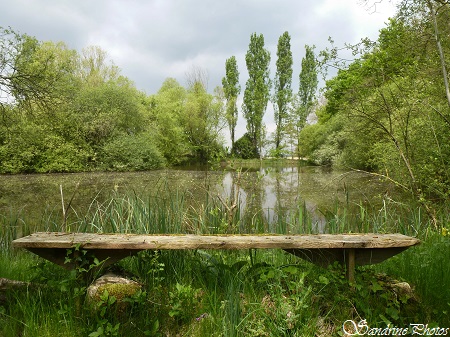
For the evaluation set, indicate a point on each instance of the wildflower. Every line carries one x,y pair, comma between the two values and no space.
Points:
199,318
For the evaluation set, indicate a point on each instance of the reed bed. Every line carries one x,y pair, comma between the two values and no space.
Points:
250,293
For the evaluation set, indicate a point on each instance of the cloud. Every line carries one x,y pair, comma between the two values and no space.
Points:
151,40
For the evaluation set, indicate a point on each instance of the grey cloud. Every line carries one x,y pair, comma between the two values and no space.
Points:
151,40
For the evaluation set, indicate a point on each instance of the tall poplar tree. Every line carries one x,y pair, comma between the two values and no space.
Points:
231,89
305,99
257,90
283,92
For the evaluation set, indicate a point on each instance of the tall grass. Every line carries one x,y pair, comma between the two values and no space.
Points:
427,268
244,293
178,212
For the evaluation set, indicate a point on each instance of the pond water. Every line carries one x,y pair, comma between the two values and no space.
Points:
267,191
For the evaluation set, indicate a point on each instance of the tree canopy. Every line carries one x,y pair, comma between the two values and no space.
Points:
283,92
64,111
232,89
257,89
388,112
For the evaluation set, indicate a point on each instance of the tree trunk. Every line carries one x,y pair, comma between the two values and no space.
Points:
440,50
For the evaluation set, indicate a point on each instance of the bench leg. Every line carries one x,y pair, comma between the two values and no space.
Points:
350,264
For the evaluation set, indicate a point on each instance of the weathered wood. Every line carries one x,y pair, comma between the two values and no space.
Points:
155,242
363,256
6,284
350,263
321,249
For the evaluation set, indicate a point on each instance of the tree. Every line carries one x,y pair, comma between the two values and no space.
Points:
29,71
99,113
257,89
165,111
283,91
392,109
202,118
231,90
94,67
434,12
304,101
244,147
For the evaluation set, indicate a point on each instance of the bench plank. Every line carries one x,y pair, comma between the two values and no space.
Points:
189,241
321,249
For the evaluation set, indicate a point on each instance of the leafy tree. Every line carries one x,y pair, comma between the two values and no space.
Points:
244,148
30,71
132,153
165,111
388,113
104,111
202,121
257,89
283,92
305,99
95,68
231,90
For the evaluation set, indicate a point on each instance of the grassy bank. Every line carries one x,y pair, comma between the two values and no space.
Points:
244,293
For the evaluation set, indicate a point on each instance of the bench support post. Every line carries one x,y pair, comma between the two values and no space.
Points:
351,265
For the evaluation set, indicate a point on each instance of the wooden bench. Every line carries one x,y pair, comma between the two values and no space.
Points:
321,249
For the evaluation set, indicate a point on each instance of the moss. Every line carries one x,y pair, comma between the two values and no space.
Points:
118,290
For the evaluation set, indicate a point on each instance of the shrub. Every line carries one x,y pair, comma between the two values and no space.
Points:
130,152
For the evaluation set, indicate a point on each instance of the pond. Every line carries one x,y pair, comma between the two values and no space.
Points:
269,191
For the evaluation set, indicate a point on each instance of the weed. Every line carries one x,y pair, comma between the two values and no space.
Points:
184,301
104,306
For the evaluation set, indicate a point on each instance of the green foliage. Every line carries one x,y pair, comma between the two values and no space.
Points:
308,79
384,113
105,111
104,327
183,301
71,112
305,99
132,153
322,144
231,88
244,148
282,307
202,121
30,71
421,266
257,89
282,84
166,109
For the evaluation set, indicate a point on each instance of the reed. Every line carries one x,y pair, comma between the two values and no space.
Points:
246,293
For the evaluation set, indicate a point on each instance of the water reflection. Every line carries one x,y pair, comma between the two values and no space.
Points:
273,193
282,193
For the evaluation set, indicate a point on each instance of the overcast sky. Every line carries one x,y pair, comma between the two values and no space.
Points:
151,40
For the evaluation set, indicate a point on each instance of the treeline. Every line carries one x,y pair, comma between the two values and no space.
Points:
389,110
64,111
386,112
290,109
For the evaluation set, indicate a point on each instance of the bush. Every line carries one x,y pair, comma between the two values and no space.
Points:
134,153
244,148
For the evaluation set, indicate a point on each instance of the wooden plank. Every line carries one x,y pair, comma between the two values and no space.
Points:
188,241
363,256
321,249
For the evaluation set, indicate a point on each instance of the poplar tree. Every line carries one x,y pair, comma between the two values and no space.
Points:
257,90
305,99
231,89
283,92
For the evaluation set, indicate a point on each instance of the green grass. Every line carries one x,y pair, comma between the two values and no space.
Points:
225,293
